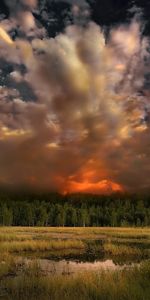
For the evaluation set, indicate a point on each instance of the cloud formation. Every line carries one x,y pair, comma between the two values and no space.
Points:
88,129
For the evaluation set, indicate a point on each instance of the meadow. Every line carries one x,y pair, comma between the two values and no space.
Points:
106,240
125,246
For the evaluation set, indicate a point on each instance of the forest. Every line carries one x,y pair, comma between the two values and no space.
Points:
53,209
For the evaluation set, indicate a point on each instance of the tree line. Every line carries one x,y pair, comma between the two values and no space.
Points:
20,209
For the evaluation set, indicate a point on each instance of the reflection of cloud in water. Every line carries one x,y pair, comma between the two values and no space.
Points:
69,267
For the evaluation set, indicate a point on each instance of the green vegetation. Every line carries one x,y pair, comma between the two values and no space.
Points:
76,210
105,285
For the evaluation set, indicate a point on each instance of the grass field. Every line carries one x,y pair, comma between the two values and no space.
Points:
115,241
21,282
104,285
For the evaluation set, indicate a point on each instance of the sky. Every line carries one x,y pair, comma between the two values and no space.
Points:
74,108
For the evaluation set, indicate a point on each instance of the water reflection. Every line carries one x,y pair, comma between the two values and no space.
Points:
71,267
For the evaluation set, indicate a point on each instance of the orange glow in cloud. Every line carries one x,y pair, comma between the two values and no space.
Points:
89,180
103,186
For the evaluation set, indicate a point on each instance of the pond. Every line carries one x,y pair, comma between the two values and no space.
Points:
70,261
69,267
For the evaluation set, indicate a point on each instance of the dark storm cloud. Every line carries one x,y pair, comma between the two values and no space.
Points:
12,76
87,126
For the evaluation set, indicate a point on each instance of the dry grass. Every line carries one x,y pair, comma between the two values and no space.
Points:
121,250
95,232
116,241
30,245
31,283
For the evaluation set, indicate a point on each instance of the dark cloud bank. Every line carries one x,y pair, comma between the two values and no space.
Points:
74,109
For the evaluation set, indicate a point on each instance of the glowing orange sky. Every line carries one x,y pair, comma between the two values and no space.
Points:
104,186
89,180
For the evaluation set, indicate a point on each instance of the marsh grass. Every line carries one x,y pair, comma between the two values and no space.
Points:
4,237
111,241
31,245
8,265
104,285
48,233
23,282
119,250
